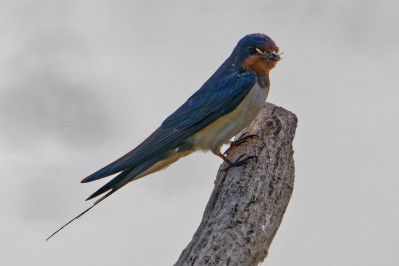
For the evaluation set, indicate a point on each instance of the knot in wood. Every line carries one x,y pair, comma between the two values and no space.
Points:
272,126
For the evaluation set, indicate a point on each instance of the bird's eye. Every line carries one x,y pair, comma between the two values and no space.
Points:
251,49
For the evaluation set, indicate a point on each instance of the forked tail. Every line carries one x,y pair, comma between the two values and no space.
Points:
116,183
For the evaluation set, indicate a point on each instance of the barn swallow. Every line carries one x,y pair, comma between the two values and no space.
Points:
227,102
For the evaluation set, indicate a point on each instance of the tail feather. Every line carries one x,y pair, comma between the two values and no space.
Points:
81,214
115,184
103,172
113,168
127,176
149,148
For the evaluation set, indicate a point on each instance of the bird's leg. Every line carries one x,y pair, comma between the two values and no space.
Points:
237,162
242,139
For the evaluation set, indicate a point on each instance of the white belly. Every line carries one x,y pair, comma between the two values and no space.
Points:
223,129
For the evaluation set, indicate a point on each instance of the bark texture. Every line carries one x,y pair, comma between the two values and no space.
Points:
248,202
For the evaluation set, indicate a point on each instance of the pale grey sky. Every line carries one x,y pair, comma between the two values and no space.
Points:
83,82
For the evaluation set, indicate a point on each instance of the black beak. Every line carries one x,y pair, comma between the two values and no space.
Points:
272,56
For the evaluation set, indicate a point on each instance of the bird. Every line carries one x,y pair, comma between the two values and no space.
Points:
223,106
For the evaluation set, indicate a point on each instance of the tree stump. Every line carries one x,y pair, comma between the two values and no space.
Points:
248,202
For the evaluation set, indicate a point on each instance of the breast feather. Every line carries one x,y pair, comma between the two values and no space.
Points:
223,129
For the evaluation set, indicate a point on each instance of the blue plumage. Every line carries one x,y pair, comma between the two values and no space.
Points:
214,111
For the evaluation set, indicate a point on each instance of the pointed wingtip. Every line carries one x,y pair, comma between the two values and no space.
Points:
89,178
97,175
89,198
92,177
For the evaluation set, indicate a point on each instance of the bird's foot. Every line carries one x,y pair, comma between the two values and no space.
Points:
242,139
238,161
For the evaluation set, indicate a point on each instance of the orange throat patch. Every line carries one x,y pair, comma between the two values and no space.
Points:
260,65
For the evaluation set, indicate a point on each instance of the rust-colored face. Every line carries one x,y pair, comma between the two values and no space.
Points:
265,58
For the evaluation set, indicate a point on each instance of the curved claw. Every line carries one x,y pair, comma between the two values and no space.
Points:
239,162
242,155
242,139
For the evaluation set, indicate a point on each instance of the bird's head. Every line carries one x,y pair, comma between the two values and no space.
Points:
257,52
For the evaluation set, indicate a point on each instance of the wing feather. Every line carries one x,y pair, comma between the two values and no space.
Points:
220,95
